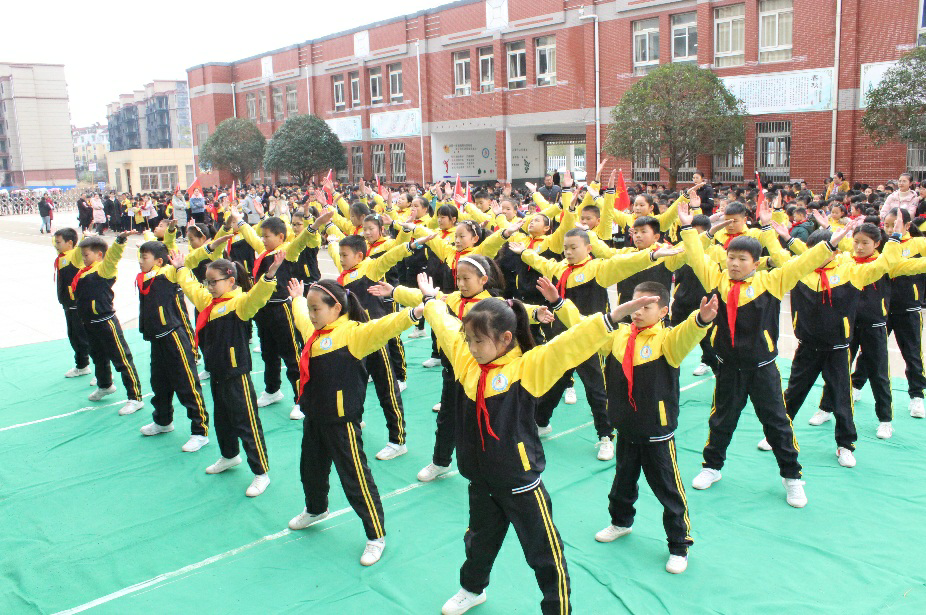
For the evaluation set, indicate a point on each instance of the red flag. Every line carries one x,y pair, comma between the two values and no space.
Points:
232,194
327,187
469,194
458,188
760,200
194,187
622,199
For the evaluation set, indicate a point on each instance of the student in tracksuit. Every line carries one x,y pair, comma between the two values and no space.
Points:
333,385
746,344
92,291
173,361
227,302
498,448
67,263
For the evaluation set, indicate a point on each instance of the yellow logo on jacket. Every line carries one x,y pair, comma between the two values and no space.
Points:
325,344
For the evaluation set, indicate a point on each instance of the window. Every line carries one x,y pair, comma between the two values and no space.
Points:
730,35
379,159
292,100
338,84
686,171
277,103
645,45
190,175
916,161
920,41
397,151
257,175
773,151
251,102
646,165
356,162
158,178
354,89
486,70
685,37
776,18
729,167
202,133
517,65
376,86
461,81
395,83
262,105
546,60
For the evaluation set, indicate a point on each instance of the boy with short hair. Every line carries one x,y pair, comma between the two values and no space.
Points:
67,264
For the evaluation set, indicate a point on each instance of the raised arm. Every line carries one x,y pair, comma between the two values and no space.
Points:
622,266
702,266
682,339
544,365
377,267
248,234
370,336
191,286
863,274
449,332
491,245
110,265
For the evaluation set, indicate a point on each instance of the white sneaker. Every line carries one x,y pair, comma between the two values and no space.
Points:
570,396
131,407
417,333
304,519
93,381
701,369
764,445
203,376
432,471
258,485
373,551
705,478
402,385
296,413
795,490
916,408
153,429
223,464
462,602
391,451
363,424
677,564
257,348
194,444
856,394
820,416
544,431
845,457
436,407
432,362
885,430
605,449
74,372
266,398
612,533
101,393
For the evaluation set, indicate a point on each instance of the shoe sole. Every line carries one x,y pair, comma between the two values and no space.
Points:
474,604
610,539
313,522
157,433
223,469
717,480
388,457
433,478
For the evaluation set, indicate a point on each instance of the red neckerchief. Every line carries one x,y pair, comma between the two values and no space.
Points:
794,226
533,241
731,238
357,230
58,258
564,278
228,244
76,279
258,261
306,355
481,409
456,259
627,363
344,273
203,318
867,259
464,301
733,302
825,288
140,283
443,234
375,245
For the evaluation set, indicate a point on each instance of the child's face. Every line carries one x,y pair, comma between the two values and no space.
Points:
320,313
538,226
644,237
649,314
863,245
218,282
298,225
417,211
356,220
483,348
161,229
445,223
799,218
509,211
737,224
740,264
889,223
271,240
589,219
576,250
464,238
195,239
63,246
90,256
147,262
470,281
371,232
641,207
483,204
349,258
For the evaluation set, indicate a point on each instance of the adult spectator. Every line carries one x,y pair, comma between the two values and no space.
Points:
839,184
905,197
84,212
198,207
111,208
549,190
45,209
706,192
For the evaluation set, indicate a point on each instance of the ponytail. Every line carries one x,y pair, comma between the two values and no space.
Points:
235,270
332,292
492,317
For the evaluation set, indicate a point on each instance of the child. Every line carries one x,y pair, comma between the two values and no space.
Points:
67,263
92,290
226,304
498,449
333,385
173,361
306,269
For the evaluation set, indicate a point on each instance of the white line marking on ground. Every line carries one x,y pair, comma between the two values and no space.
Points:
78,411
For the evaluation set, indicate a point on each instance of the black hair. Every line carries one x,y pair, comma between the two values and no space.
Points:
744,243
653,289
354,242
871,231
233,269
578,232
495,284
359,210
492,317
297,215
821,234
274,225
735,208
97,244
67,234
422,202
648,198
203,230
449,211
350,303
701,221
593,209
157,249
481,194
800,210
375,219
840,206
649,221
474,228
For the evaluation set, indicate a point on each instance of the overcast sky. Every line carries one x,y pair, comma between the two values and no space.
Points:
110,48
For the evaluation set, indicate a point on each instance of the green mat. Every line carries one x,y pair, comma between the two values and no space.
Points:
97,516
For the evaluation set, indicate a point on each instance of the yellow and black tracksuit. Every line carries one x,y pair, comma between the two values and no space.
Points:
499,451
173,360
223,331
92,290
334,384
66,266
745,337
686,298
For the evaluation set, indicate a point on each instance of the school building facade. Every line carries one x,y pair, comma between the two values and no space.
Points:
507,89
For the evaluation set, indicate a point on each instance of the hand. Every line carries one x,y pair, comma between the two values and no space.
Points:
776,204
295,287
666,251
717,227
125,235
418,310
716,217
764,214
899,226
320,196
684,214
821,218
175,257
626,309
601,166
531,187
426,285
423,240
460,200
566,180
548,290
234,217
708,310
322,220
612,180
843,232
516,247
781,230
436,191
496,208
387,220
408,228
172,226
514,227
381,289
593,192
544,315
277,261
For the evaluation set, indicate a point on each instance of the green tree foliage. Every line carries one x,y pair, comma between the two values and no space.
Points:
896,107
676,112
304,146
236,146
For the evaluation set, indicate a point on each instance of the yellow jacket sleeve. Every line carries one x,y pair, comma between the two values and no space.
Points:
170,239
491,245
74,257
863,274
599,248
376,268
909,266
199,255
306,238
538,199
567,313
783,279
682,339
342,223
369,337
110,265
409,297
669,216
193,289
606,224
342,205
442,249
248,234
701,264
621,267
471,212
449,332
543,365
256,298
334,254
546,266
301,317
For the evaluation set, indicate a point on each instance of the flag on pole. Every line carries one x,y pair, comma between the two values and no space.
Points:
232,194
622,199
328,187
469,194
458,188
194,187
760,200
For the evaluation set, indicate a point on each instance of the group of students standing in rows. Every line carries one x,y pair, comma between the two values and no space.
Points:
516,305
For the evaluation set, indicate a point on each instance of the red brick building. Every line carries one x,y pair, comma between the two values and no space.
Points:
506,84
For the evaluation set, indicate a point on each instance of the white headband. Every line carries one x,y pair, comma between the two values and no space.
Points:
474,263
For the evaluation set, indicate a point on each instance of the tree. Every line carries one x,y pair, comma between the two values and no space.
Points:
896,107
675,113
236,146
304,146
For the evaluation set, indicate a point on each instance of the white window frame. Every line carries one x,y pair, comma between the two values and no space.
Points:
645,31
685,29
337,84
354,89
262,105
516,55
773,140
729,167
781,52
378,159
731,54
292,99
356,160
395,83
277,100
250,100
376,86
921,28
397,155
646,167
462,76
545,47
487,69
202,133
